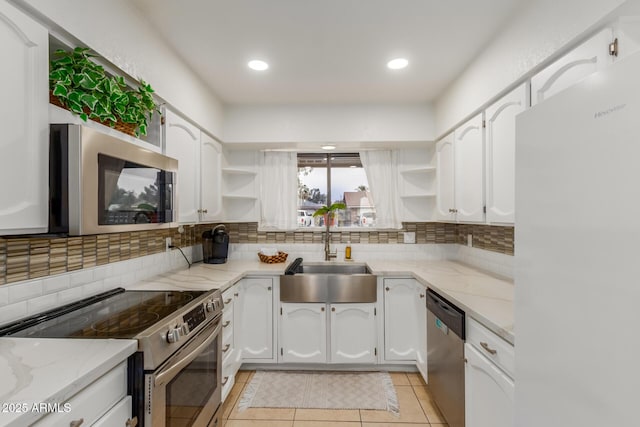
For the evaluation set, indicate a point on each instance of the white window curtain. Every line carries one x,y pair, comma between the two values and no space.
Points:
381,169
279,190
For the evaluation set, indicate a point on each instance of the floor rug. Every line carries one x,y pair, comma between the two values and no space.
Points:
321,390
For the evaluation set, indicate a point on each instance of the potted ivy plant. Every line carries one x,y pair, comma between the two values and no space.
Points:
82,86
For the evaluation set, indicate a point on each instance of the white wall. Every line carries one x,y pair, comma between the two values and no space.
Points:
328,123
118,31
538,30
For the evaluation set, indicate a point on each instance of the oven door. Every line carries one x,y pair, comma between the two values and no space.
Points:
186,389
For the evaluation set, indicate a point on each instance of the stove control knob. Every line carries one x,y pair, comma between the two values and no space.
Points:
210,306
173,335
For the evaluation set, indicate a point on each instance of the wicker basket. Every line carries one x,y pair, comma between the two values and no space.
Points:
128,128
273,259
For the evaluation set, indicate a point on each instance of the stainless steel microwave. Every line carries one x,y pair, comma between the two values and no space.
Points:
101,184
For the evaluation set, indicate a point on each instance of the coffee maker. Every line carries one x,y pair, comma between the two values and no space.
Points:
215,245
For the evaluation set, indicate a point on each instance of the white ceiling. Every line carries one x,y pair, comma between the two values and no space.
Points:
328,51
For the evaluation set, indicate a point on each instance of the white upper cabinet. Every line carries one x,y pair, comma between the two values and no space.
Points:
589,57
199,179
24,145
501,145
211,180
469,171
182,142
445,195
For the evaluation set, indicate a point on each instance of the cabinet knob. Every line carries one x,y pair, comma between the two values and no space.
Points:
226,348
269,288
386,289
321,308
227,323
333,309
421,295
76,423
205,211
488,349
236,295
199,210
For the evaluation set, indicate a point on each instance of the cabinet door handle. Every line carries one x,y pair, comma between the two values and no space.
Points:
131,422
225,380
227,301
227,323
226,348
488,349
76,423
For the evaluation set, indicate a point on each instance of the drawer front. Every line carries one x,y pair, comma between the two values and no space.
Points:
117,416
227,297
94,401
491,346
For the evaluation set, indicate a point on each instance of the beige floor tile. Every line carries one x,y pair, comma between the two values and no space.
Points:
262,414
325,424
431,410
327,415
399,378
395,425
258,423
244,376
232,399
422,392
410,409
415,378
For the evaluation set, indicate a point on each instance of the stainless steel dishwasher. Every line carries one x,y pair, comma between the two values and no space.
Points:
445,357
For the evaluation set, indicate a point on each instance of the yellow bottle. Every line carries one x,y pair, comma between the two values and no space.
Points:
347,251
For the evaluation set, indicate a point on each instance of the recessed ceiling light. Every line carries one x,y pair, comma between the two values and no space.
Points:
258,65
398,63
328,147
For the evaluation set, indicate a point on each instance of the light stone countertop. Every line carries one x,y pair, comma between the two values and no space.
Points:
52,370
481,295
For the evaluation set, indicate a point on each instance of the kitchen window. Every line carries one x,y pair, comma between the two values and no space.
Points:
324,179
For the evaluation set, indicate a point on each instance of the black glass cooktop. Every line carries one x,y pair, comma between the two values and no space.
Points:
113,314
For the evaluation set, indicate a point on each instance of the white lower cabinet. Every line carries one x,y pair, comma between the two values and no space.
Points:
255,320
231,355
327,333
303,333
405,322
489,388
353,333
96,401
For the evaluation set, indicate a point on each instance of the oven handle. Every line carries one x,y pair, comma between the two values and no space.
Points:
167,374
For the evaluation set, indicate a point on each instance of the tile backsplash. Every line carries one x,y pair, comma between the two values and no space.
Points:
33,257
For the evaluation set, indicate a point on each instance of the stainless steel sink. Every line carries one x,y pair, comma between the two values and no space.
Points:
329,283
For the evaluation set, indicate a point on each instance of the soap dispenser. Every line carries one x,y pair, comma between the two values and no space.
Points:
347,251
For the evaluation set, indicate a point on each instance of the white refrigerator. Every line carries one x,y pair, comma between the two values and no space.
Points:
577,254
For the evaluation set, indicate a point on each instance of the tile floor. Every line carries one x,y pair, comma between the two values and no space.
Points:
416,409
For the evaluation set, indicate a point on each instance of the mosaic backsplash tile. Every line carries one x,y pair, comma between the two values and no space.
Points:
23,258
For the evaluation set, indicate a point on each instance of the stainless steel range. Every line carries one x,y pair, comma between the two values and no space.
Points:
175,377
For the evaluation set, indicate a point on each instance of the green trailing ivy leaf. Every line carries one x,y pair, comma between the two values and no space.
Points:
84,88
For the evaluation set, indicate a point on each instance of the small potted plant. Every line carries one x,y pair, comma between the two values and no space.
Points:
329,212
82,86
